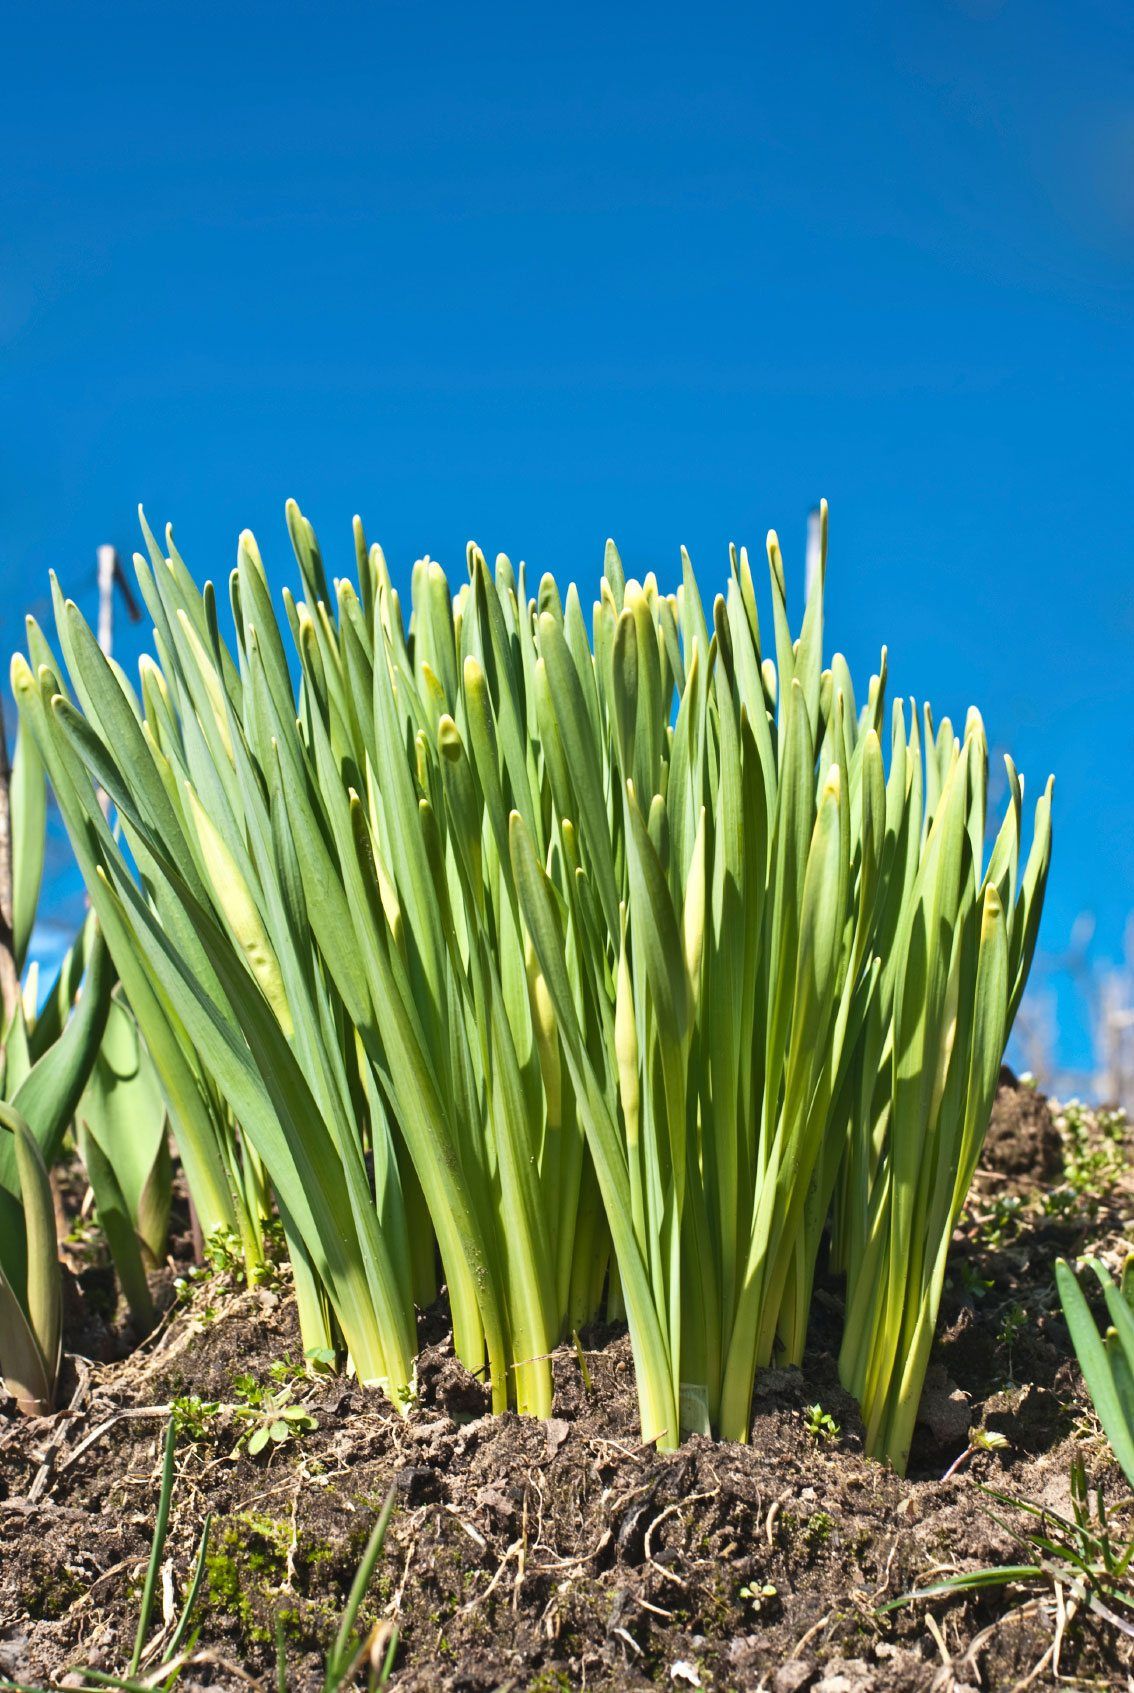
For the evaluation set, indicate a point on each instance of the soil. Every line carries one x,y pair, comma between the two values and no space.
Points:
1022,1140
547,1556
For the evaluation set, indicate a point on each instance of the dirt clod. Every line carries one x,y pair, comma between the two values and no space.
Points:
1022,1140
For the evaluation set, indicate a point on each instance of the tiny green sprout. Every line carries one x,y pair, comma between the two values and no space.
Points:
183,1286
760,1595
192,1416
284,1370
266,1418
988,1440
1073,1119
973,1283
980,1440
82,1232
820,1424
1013,1320
1002,1218
265,1273
321,1358
225,1254
1112,1124
267,1270
584,1371
407,1398
1060,1204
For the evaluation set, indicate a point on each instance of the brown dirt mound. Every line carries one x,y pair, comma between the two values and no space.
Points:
546,1556
1022,1140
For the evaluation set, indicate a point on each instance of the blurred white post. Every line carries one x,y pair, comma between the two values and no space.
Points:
812,565
110,572
108,569
9,977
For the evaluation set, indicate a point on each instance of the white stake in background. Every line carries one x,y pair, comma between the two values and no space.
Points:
110,571
812,556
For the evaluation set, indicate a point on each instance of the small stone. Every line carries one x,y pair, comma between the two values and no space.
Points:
417,1484
427,1433
557,1430
845,1675
944,1410
792,1675
742,1646
11,1652
632,1533
470,1435
684,1672
498,1504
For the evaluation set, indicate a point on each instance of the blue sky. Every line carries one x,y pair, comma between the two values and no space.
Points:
537,275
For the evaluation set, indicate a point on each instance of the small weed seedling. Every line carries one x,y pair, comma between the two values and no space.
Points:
266,1415
760,1596
194,1417
821,1426
183,1286
988,1440
584,1369
1061,1204
973,1284
980,1440
225,1254
1002,1220
1012,1321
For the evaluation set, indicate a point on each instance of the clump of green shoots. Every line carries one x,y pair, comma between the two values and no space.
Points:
576,960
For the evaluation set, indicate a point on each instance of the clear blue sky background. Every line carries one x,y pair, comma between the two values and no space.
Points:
537,275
